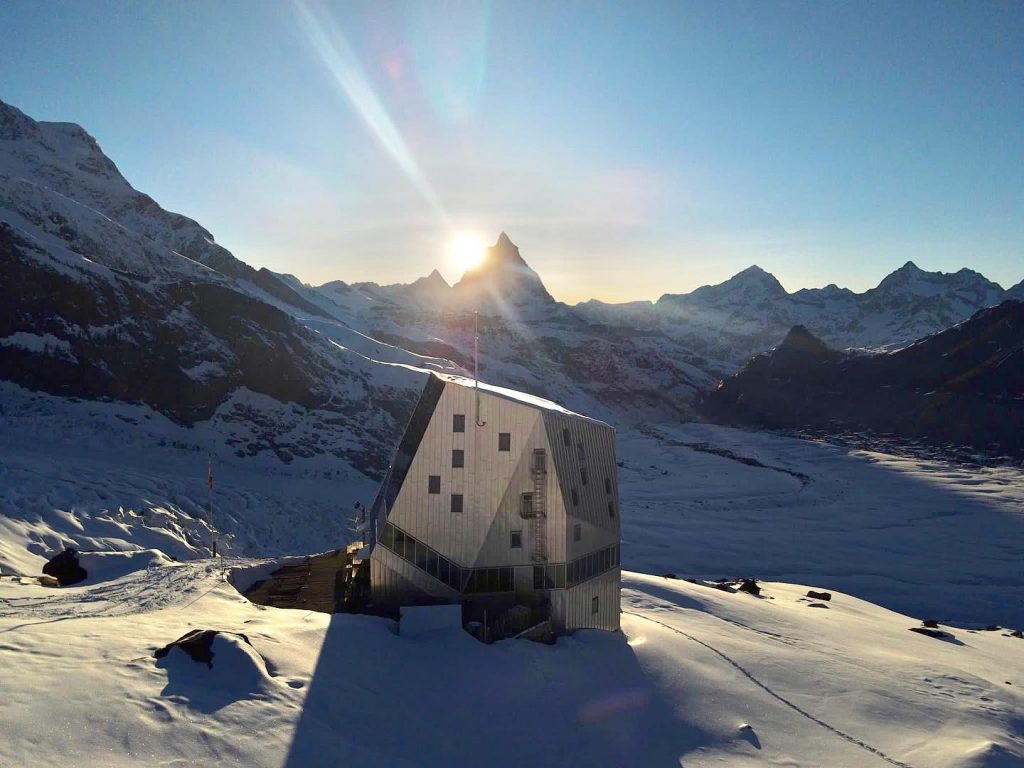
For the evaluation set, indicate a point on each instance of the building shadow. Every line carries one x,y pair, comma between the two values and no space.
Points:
443,699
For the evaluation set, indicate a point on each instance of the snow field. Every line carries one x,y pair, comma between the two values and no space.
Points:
699,677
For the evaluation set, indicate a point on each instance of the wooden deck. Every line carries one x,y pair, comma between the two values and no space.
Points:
317,584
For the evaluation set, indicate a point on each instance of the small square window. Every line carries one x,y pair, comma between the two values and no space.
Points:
607,485
583,475
566,439
595,604
457,502
515,540
577,532
458,458
459,422
580,452
434,484
575,497
504,441
611,509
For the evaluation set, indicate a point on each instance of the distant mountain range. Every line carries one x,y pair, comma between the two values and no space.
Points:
107,295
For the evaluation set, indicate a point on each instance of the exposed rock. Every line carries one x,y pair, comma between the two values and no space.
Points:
749,586
65,569
198,644
819,595
938,634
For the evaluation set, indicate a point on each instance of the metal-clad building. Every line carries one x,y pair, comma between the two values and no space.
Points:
504,502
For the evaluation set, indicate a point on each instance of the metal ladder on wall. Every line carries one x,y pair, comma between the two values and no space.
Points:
540,518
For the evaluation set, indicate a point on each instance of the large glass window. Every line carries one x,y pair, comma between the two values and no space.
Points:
526,505
458,458
421,556
459,422
504,441
387,536
434,484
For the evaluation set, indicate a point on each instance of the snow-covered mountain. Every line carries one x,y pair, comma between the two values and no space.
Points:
751,311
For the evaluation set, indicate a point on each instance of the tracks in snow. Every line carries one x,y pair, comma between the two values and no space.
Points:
781,699
144,591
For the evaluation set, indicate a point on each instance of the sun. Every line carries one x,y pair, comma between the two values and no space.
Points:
466,251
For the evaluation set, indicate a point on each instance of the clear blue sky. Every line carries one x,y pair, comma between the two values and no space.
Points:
629,149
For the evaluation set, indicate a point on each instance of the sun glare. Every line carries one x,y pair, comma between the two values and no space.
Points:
466,251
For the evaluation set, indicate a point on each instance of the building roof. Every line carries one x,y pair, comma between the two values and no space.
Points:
511,394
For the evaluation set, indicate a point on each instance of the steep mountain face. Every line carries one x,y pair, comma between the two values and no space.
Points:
108,296
964,385
55,180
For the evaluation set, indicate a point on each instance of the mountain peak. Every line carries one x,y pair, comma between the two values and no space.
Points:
502,276
799,339
751,279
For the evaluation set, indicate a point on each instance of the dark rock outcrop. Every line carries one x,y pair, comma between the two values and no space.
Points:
963,386
198,644
65,568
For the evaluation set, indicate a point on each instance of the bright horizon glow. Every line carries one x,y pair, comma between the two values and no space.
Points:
628,151
465,252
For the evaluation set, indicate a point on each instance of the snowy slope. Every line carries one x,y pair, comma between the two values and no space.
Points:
698,677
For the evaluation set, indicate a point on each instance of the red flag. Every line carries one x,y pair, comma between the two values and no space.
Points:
209,475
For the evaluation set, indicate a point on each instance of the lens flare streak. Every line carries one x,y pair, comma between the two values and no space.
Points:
342,63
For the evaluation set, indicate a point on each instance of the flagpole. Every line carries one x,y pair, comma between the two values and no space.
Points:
209,503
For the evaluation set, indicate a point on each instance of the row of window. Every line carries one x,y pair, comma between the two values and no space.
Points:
467,580
496,579
564,575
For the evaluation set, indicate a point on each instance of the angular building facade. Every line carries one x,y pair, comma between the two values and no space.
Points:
503,502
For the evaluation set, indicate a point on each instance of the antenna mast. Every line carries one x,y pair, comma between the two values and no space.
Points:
476,365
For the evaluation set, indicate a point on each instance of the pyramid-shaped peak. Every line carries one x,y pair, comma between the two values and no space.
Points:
755,276
799,339
503,272
753,270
